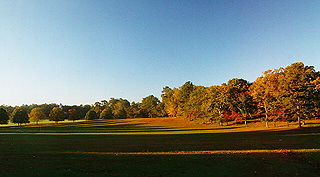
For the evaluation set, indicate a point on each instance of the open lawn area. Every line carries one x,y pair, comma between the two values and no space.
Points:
159,147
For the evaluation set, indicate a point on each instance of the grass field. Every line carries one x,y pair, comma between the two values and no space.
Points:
158,147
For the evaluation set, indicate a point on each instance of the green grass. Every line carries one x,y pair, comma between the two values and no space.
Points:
55,152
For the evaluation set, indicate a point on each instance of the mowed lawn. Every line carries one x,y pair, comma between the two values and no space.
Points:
158,147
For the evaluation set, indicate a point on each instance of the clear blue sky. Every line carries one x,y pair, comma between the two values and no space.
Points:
80,52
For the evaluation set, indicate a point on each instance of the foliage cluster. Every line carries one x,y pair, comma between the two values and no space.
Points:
289,94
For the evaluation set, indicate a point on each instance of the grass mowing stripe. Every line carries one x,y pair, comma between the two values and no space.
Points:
253,151
118,133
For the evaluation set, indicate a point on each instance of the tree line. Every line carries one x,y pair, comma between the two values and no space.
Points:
284,94
112,109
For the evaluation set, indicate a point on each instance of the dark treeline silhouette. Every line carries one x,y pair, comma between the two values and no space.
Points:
284,94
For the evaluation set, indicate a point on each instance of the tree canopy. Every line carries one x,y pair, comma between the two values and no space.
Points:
36,115
4,118
19,116
56,114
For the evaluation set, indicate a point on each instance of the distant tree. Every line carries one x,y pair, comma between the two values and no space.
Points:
218,98
4,118
73,115
240,100
135,110
91,114
36,115
149,104
119,114
182,96
161,110
196,106
170,102
19,116
56,114
83,109
119,107
106,113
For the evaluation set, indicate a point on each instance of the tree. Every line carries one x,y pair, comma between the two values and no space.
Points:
119,107
19,116
4,118
218,102
183,95
135,111
265,93
298,91
73,115
240,100
149,104
36,115
106,113
56,114
197,105
119,114
170,102
91,114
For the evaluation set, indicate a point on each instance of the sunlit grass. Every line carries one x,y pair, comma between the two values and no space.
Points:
252,151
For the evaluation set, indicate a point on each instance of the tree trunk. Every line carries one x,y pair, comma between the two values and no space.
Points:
299,122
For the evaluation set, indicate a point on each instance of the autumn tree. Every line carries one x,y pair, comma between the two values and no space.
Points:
56,114
73,115
169,101
106,113
4,118
239,98
19,116
91,114
36,115
265,92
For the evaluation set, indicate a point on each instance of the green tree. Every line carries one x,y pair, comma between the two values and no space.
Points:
56,114
4,118
218,102
135,111
106,113
73,115
196,106
19,116
91,114
36,115
119,107
298,91
119,113
149,104
183,95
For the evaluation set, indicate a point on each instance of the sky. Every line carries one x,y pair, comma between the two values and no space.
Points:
79,52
